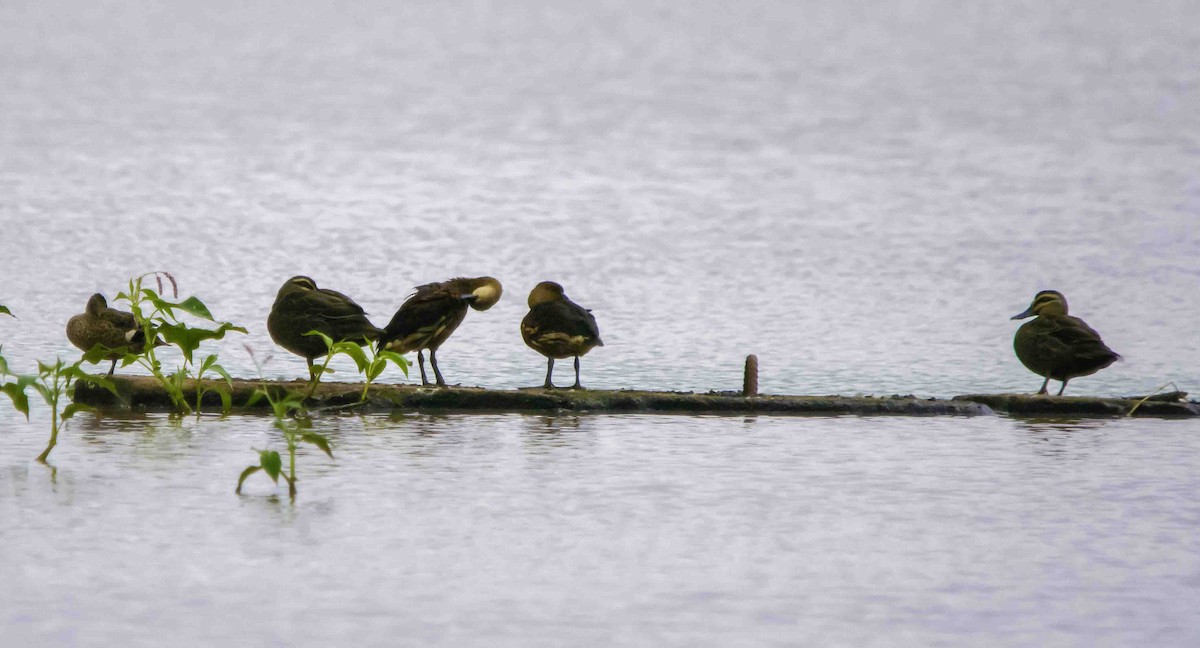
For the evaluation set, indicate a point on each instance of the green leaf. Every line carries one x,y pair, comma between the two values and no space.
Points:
43,391
100,353
3,366
4,311
250,470
394,358
226,400
208,362
195,307
224,374
163,306
99,381
258,395
317,440
324,338
19,400
355,352
75,408
375,369
272,463
188,338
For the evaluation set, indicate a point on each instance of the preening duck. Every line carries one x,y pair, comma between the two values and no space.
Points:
109,327
427,318
557,327
301,307
1056,345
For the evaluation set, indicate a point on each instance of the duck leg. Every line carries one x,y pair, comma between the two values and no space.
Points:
433,363
421,364
576,385
1043,389
311,375
549,371
1064,386
112,368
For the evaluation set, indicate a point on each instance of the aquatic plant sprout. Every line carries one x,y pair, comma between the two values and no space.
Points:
56,384
291,419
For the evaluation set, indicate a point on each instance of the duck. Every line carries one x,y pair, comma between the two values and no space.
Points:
115,329
427,318
557,327
1057,345
300,306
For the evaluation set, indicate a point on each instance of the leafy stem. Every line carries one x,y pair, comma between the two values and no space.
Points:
370,364
162,326
292,421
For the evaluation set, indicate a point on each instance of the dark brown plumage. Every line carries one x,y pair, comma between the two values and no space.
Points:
108,327
301,307
427,318
557,327
1056,345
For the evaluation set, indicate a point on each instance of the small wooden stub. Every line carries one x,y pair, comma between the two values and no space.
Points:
750,378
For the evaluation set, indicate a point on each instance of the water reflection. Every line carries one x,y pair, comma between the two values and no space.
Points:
546,433
1063,437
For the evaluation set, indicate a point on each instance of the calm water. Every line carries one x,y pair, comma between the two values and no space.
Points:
859,193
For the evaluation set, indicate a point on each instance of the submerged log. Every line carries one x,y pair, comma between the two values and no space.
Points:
144,393
1043,405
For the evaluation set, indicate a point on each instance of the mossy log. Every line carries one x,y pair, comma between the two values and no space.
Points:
144,393
1171,405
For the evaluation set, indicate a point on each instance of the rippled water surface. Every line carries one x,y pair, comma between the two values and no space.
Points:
859,193
611,530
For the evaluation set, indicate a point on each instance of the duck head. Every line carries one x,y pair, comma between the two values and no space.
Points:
296,284
486,293
1047,302
96,304
545,292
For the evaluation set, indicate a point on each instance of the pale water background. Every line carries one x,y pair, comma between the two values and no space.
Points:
859,193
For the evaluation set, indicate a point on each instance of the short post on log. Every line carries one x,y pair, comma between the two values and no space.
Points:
750,377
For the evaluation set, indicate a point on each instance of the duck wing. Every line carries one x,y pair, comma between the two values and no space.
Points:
336,315
118,319
1071,338
562,318
427,317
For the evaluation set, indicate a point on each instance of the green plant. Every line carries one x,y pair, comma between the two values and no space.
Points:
160,322
55,383
15,392
292,420
370,363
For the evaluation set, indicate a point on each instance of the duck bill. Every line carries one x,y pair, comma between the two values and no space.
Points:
1023,314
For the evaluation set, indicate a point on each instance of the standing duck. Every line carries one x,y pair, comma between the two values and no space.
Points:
427,318
1056,345
301,307
108,327
557,327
